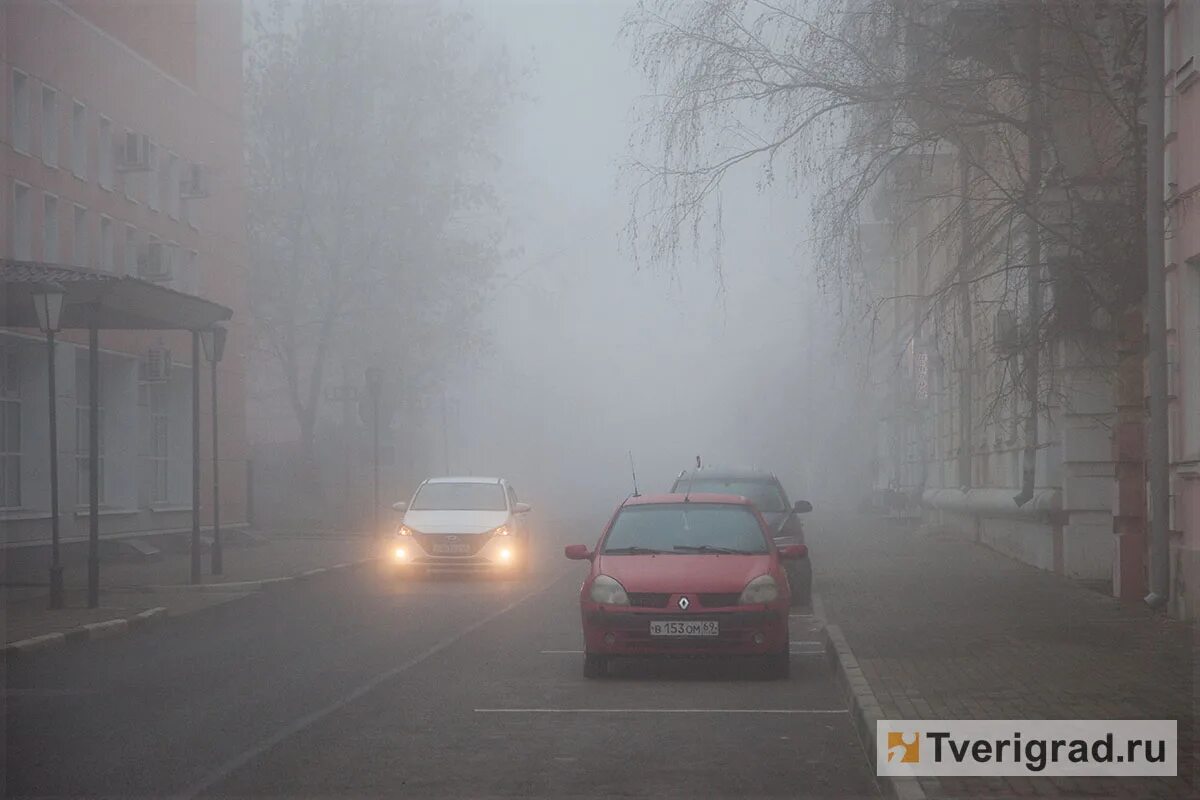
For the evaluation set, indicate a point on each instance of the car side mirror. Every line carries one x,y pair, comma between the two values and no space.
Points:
802,507
577,552
521,508
399,506
793,552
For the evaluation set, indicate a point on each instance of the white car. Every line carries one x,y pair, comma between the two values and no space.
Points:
462,525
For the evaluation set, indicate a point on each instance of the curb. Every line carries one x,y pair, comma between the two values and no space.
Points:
865,711
120,626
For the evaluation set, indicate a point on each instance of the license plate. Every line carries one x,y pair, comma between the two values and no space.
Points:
690,627
451,549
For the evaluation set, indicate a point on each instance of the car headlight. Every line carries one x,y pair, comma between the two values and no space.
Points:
404,530
762,589
399,554
608,591
501,531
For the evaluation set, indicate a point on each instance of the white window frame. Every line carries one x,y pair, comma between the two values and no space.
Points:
21,112
131,250
79,243
51,239
153,180
22,245
158,453
193,271
79,143
105,156
107,245
131,178
49,126
10,404
171,201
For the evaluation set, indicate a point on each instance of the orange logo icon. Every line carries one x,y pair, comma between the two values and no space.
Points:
903,748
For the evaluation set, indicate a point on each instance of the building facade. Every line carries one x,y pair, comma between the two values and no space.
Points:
1182,176
121,151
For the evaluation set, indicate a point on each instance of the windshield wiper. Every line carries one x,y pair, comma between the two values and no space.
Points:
710,548
632,550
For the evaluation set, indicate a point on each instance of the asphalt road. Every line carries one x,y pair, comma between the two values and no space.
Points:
359,685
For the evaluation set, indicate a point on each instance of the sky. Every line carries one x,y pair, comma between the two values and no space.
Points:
592,358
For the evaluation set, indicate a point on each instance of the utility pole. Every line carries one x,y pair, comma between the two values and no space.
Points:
1156,313
374,387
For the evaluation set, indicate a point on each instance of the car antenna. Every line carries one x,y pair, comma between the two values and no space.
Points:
633,470
688,491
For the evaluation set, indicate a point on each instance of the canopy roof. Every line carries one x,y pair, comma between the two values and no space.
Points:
119,302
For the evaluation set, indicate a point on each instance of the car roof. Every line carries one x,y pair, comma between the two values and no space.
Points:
466,479
697,497
729,473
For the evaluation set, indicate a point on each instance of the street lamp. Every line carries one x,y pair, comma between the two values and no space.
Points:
48,303
374,387
213,340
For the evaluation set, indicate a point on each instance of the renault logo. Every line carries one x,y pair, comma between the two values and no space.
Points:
684,603
451,538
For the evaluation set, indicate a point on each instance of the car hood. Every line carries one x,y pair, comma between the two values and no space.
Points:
684,573
454,521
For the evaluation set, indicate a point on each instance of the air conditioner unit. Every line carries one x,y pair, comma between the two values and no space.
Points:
194,184
156,366
156,262
135,155
1006,331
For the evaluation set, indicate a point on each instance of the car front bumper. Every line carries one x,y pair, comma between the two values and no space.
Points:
621,631
500,555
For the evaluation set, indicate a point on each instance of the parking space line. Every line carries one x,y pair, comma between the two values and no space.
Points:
661,711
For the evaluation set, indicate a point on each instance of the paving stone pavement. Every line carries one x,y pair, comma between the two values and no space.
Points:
947,628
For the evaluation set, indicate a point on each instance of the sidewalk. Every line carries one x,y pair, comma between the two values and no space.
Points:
945,628
130,588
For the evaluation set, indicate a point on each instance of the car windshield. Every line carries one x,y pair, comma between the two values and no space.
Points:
765,494
685,528
459,497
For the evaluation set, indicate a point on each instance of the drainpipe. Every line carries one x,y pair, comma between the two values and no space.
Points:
1033,247
964,307
1156,316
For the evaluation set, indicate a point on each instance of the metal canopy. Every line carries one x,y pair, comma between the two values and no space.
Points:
118,302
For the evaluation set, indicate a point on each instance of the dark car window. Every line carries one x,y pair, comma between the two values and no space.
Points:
686,525
765,494
459,497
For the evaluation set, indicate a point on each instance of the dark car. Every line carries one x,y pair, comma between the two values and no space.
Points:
764,490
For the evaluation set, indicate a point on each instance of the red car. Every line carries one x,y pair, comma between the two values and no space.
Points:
686,575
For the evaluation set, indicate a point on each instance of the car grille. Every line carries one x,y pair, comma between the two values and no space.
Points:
719,599
466,544
648,599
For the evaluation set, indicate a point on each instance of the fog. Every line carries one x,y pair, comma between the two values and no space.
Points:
593,355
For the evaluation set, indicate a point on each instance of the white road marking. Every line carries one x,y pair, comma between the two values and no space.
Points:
661,711
561,652
226,769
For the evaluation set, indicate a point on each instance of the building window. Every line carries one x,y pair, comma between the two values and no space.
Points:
10,429
104,154
79,140
105,258
131,250
158,457
49,127
83,433
22,223
171,199
81,238
19,133
153,179
50,232
193,273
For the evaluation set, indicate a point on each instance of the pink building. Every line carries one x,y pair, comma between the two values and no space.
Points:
121,151
1182,167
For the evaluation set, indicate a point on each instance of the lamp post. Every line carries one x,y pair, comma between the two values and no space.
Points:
374,387
48,303
213,340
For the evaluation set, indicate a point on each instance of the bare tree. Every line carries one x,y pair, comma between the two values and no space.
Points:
368,136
